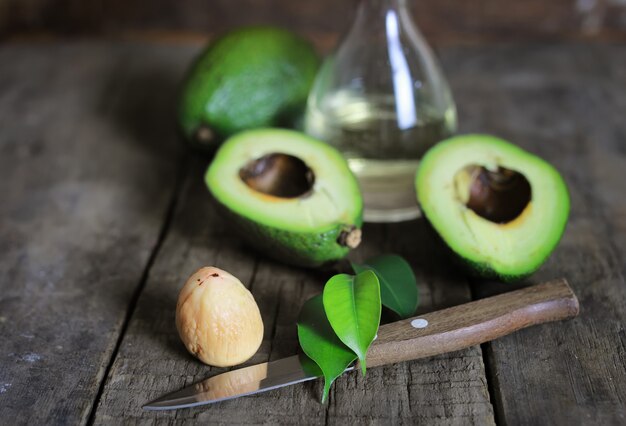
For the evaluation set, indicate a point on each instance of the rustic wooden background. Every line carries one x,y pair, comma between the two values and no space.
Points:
103,214
443,21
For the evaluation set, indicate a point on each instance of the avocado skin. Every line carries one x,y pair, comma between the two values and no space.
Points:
306,249
249,78
479,270
484,271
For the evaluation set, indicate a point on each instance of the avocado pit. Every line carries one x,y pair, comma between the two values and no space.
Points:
499,196
278,174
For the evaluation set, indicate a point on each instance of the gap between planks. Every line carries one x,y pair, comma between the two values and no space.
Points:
181,176
491,375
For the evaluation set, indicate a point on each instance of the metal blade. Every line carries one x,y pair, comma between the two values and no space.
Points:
241,382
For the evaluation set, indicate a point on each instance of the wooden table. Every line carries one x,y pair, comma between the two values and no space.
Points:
103,215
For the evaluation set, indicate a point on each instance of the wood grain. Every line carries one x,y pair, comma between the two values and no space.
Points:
86,176
88,159
473,323
566,104
443,21
152,361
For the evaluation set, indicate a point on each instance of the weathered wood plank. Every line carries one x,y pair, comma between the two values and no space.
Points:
442,21
449,389
74,246
566,103
88,162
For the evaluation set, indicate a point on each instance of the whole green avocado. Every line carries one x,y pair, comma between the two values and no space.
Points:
249,78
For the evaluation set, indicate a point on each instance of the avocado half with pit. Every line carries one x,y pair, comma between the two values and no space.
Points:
500,208
290,196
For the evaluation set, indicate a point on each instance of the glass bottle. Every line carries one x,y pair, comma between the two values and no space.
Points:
382,100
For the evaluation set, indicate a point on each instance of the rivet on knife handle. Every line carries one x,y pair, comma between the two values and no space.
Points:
473,323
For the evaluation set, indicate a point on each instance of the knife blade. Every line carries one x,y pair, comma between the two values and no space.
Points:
241,382
431,334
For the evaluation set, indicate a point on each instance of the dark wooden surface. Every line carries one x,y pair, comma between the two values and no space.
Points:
568,105
88,168
103,216
443,21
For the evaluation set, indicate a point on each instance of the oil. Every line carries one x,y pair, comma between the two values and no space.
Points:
382,147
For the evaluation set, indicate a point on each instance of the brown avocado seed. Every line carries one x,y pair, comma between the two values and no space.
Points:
217,318
498,196
280,175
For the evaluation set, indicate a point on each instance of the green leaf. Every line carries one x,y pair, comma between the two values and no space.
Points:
320,343
309,366
398,287
352,305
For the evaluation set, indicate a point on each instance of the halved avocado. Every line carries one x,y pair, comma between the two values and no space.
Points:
500,208
290,196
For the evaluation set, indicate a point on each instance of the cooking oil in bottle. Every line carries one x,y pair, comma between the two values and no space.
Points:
382,100
383,157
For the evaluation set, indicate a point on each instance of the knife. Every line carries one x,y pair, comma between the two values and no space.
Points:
430,334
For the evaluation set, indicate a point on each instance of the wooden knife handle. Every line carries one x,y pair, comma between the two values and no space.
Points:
473,323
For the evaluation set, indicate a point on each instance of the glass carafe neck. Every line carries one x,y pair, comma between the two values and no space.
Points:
381,6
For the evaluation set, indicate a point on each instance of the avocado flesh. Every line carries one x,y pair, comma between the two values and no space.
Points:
507,249
307,229
249,78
